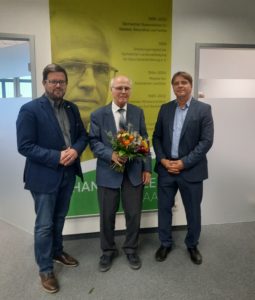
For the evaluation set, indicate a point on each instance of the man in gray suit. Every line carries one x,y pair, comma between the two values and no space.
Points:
113,185
183,135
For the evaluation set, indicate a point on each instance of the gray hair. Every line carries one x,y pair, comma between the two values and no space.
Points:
114,78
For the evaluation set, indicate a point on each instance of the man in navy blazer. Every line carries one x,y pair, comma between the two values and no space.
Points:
51,135
182,136
112,184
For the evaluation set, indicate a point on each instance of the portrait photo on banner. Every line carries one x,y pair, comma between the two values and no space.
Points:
94,43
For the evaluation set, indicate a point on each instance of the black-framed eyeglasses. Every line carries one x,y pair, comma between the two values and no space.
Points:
56,82
76,68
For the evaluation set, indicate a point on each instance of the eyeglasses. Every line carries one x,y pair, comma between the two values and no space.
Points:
121,88
74,68
55,82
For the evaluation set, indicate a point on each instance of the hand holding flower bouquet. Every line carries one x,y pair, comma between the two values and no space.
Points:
128,145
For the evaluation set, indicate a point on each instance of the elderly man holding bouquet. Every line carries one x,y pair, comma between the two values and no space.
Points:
118,139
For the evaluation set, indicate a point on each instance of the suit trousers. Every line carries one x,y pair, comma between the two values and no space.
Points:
109,201
191,193
51,210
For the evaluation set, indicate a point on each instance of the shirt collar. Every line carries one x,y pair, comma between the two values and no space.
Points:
54,103
187,104
116,107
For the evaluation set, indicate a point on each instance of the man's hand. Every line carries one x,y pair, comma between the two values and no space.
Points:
146,177
118,159
173,166
68,156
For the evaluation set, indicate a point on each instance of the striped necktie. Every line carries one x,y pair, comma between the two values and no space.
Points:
122,121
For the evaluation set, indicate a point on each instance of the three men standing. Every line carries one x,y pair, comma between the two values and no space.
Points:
51,135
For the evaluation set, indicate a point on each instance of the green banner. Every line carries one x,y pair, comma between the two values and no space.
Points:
84,199
94,41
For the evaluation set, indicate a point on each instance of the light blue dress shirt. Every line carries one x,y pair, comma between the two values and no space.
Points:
179,118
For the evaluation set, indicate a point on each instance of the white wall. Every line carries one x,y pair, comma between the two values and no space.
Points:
229,195
209,21
204,21
229,192
30,17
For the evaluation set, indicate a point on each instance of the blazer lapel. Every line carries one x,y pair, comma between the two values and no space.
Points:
131,118
171,114
70,114
188,117
46,106
109,122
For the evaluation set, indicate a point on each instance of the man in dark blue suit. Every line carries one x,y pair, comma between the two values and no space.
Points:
183,135
51,135
112,184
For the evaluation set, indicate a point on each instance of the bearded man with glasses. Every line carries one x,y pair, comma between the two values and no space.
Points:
51,135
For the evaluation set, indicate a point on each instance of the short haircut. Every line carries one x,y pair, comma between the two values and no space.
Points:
53,68
185,75
118,76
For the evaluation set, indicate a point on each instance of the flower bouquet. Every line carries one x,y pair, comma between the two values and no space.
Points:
128,145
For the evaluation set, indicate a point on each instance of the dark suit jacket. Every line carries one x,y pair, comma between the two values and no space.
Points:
102,122
195,141
40,140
